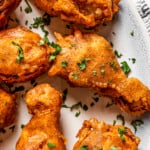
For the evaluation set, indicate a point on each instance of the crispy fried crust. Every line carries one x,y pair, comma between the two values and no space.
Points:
87,12
7,108
99,135
35,60
6,7
91,63
44,102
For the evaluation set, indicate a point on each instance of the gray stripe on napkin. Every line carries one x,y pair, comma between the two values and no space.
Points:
144,11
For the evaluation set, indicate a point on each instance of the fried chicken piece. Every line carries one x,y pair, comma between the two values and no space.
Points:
87,60
7,7
7,108
42,132
21,56
87,12
96,135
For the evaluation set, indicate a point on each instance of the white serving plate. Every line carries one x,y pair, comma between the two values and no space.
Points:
117,32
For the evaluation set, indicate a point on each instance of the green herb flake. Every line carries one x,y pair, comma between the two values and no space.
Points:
28,9
77,114
133,60
117,54
113,65
82,64
94,72
85,147
12,128
102,71
114,122
75,106
125,67
109,104
51,145
121,117
26,22
64,64
132,33
58,49
73,45
20,56
21,8
22,126
41,21
75,76
113,148
64,96
85,107
136,123
121,132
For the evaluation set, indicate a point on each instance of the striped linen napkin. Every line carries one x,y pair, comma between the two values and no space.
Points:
143,8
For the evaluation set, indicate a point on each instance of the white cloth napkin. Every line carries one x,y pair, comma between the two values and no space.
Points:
143,8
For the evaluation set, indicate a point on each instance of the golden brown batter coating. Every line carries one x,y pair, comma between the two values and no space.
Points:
7,108
96,135
21,56
42,132
87,60
87,12
6,7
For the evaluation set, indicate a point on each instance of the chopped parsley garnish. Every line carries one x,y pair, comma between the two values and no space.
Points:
133,60
21,8
26,22
114,122
136,123
75,76
94,72
41,21
85,107
64,64
82,64
85,147
73,45
125,67
12,128
74,106
22,126
51,145
121,132
132,33
121,117
109,104
20,56
117,54
92,104
113,65
102,71
64,96
58,49
77,114
113,148
18,88
28,9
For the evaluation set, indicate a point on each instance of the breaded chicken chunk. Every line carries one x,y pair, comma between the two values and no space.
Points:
96,135
22,58
6,7
42,132
87,12
7,108
87,60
